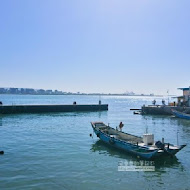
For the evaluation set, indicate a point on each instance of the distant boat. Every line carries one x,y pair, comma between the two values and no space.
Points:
139,112
143,147
181,114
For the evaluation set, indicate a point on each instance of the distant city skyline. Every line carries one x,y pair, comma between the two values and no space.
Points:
96,46
179,92
12,90
49,91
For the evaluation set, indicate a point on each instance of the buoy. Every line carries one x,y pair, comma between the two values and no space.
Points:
90,135
1,152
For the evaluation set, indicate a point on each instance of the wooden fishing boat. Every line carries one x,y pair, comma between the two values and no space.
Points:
143,147
181,114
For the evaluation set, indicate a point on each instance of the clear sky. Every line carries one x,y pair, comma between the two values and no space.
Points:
95,45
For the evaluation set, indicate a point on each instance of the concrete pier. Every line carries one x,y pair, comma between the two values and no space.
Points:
163,110
17,109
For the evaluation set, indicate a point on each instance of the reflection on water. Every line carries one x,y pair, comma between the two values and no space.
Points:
1,122
50,149
99,114
171,119
182,122
103,148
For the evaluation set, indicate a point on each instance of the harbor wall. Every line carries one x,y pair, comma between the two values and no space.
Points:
163,110
17,109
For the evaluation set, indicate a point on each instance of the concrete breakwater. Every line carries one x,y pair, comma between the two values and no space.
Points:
163,110
17,109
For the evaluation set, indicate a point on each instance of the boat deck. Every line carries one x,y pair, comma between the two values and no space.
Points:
118,134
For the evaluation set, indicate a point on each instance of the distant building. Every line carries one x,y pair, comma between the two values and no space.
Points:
49,92
29,91
185,99
13,90
58,92
22,91
41,91
2,90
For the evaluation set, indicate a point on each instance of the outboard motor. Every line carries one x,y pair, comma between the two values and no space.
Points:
162,146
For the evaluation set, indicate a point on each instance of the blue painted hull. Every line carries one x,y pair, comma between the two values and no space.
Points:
128,147
134,147
181,115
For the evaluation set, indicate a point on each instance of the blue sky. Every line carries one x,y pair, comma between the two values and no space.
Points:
95,45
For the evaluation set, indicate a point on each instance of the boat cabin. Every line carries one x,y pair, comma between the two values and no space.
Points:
185,99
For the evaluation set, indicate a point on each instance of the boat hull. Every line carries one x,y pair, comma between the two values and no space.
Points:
133,144
181,115
128,147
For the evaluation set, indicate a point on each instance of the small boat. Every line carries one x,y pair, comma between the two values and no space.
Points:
137,112
181,114
143,147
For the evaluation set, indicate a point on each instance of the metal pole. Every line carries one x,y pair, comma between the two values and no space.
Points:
177,139
146,127
99,100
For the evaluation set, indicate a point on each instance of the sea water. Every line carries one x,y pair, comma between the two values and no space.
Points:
55,150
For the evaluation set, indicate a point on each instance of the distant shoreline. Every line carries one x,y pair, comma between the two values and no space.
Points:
32,91
86,95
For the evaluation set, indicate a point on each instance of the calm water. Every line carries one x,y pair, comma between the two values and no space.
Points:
54,150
